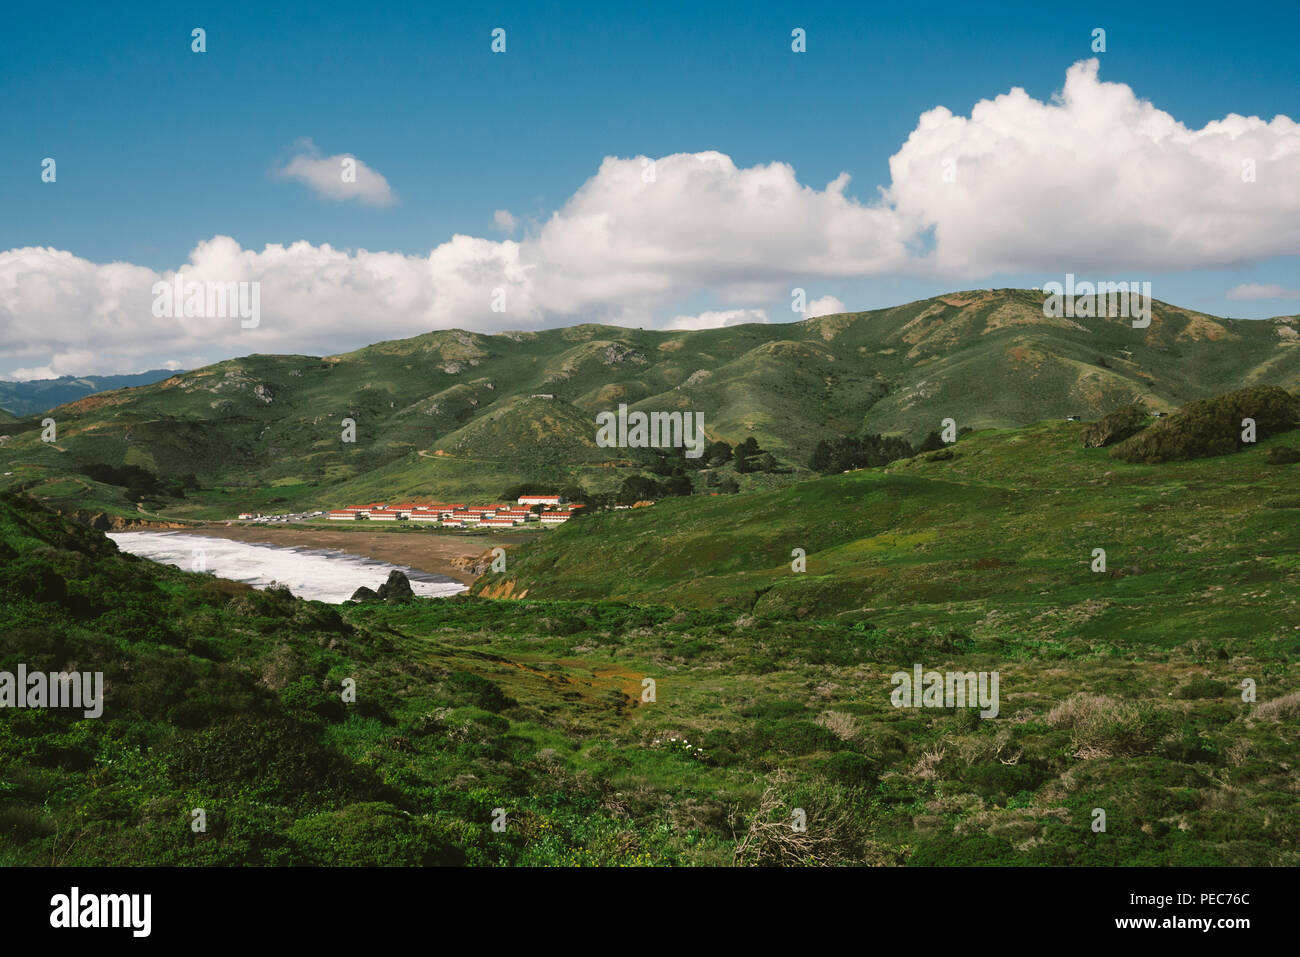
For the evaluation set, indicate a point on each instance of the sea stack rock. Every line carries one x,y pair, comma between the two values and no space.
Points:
397,588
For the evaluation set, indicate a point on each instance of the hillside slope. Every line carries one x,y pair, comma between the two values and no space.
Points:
27,398
989,359
975,536
222,698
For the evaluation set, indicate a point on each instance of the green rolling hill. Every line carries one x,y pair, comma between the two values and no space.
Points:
989,536
987,358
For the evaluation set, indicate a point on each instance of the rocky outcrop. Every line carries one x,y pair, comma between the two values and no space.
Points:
474,564
505,589
396,589
105,522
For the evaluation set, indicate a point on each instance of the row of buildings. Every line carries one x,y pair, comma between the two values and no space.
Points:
553,511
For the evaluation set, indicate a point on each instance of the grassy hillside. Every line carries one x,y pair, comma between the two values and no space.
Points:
28,398
993,536
989,359
228,699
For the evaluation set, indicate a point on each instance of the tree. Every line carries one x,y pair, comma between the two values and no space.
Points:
823,458
766,462
575,493
742,462
638,488
933,442
513,492
718,453
678,485
849,452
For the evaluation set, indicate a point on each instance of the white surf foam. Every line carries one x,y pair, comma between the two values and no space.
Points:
317,573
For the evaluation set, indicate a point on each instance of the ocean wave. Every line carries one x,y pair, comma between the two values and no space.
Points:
321,574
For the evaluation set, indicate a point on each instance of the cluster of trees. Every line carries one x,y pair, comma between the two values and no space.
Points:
139,482
570,493
745,457
868,451
1214,426
670,470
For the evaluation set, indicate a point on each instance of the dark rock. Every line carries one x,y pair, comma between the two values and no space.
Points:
363,594
397,588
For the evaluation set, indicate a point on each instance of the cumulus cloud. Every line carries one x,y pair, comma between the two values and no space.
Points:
716,320
89,316
1094,180
1255,290
702,222
341,176
825,306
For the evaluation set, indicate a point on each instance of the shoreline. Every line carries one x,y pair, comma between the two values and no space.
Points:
427,553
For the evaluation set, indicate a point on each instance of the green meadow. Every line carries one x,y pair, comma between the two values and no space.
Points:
1159,695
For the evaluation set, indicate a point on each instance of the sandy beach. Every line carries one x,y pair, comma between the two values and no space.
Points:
419,549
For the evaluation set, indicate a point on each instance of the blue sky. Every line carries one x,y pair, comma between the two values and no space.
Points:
159,149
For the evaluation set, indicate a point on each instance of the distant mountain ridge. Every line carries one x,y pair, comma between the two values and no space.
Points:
462,403
37,395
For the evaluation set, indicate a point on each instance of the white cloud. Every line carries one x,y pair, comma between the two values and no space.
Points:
78,316
27,375
504,221
825,306
703,223
1254,290
341,176
716,320
1094,181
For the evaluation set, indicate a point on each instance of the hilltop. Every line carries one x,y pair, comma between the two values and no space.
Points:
455,413
28,398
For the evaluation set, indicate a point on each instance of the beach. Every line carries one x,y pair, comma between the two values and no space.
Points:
419,548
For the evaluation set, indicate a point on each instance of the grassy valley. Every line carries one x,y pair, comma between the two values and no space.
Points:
1121,689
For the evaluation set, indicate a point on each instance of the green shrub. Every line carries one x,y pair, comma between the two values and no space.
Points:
471,689
1115,426
850,769
1105,727
372,834
279,759
1211,427
1200,688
